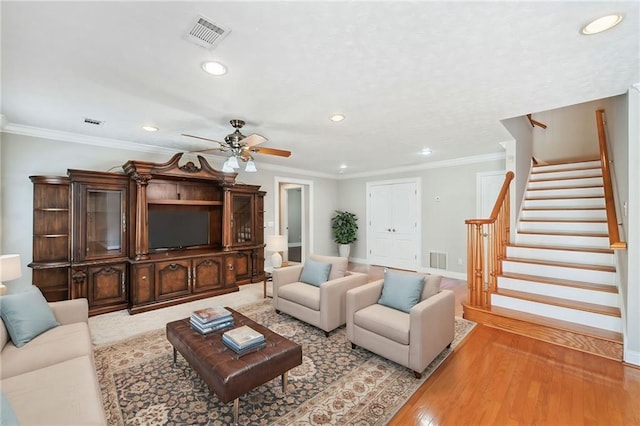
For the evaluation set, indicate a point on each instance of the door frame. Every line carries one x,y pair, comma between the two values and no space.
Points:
280,183
479,192
418,182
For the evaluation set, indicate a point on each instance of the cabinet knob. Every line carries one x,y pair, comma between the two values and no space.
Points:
144,277
230,266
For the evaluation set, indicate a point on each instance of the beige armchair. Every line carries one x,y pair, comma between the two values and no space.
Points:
322,306
411,339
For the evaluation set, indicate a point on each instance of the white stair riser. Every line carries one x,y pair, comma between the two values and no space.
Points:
574,183
570,192
560,272
565,203
591,319
565,175
551,227
599,214
571,166
570,293
562,241
566,256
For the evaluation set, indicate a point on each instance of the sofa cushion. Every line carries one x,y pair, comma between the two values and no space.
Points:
7,415
66,393
54,346
431,286
338,265
26,315
302,294
314,272
401,290
383,321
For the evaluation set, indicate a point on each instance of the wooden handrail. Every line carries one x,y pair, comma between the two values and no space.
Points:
612,219
481,280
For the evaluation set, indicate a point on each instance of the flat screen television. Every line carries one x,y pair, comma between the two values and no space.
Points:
177,229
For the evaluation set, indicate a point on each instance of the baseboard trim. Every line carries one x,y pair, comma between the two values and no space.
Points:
632,357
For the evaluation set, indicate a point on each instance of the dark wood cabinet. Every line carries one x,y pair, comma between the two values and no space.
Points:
157,235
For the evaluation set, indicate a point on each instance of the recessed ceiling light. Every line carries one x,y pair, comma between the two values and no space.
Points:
343,166
150,128
425,152
602,24
337,117
214,68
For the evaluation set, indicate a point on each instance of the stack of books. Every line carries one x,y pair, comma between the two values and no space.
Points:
211,319
243,340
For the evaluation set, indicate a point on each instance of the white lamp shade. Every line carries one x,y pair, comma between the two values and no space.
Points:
233,162
275,243
9,267
250,167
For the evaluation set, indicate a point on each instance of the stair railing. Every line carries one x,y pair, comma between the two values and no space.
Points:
612,219
483,270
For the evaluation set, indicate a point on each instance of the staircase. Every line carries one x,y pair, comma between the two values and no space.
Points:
558,281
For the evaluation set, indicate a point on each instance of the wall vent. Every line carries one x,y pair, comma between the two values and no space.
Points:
206,34
93,121
437,260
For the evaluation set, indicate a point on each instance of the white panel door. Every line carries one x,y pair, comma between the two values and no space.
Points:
393,225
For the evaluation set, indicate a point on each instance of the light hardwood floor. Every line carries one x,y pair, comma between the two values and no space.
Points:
499,378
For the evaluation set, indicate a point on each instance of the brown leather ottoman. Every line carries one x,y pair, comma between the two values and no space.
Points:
228,375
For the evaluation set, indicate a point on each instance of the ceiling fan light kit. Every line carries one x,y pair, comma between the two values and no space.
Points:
241,148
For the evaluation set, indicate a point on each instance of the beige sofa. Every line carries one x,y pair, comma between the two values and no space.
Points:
322,306
52,380
411,339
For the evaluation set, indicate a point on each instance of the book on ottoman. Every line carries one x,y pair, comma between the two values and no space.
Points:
211,314
242,338
211,327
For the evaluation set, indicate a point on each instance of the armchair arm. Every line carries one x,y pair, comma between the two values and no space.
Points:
333,296
70,311
282,276
359,298
432,327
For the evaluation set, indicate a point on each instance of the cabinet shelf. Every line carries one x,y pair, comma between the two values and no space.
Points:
186,202
51,209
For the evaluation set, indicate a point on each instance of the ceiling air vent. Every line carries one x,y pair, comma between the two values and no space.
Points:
207,34
93,121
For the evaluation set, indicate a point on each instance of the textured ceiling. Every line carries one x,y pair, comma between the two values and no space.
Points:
408,75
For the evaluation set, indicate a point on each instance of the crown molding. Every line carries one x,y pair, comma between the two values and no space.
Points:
435,165
58,135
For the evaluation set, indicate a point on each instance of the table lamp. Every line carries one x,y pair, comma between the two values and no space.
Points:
276,244
9,270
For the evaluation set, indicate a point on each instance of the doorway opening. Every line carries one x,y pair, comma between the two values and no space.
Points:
294,216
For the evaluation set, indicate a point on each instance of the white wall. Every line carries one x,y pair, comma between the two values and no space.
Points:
443,227
571,133
23,156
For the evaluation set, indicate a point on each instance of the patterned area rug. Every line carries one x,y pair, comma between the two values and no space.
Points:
334,385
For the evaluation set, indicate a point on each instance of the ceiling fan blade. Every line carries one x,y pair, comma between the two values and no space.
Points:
272,151
253,140
204,151
204,139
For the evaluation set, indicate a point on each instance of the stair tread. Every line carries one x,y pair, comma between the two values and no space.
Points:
565,220
566,303
553,188
591,176
567,234
561,282
566,197
612,336
587,266
583,249
562,208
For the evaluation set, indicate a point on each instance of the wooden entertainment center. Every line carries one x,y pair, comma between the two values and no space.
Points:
157,235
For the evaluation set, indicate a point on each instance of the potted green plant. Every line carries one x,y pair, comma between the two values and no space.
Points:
345,231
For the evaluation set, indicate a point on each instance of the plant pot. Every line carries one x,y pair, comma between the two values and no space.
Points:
344,249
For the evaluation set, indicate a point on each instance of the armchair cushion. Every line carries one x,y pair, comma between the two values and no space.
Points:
401,290
431,286
302,294
26,315
394,327
338,264
314,272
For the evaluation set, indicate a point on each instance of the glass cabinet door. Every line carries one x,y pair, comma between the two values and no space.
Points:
242,230
105,223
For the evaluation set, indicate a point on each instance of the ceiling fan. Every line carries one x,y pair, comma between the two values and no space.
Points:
241,147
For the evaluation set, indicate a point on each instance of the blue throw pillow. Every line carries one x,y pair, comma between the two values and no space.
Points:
7,415
26,315
315,273
401,290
